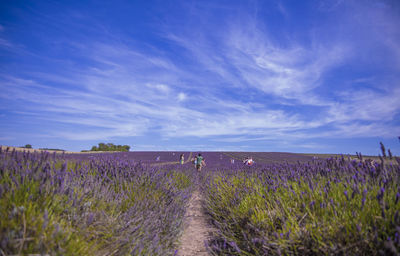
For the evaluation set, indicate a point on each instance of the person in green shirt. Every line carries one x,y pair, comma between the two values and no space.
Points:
200,162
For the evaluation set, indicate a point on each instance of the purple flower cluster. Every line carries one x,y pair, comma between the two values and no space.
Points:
144,157
90,204
323,206
134,203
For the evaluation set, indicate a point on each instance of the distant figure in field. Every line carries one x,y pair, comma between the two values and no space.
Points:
182,159
194,161
200,162
248,161
158,158
369,162
232,161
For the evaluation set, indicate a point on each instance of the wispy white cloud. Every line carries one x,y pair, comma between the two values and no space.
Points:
5,43
246,57
237,82
7,138
161,87
366,105
285,72
116,99
181,96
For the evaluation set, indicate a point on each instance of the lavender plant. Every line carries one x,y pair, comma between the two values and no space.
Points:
103,205
333,206
121,203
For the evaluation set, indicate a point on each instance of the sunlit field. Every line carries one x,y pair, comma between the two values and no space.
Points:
324,207
200,128
133,203
102,204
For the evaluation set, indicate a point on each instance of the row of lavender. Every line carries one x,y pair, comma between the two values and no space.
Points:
269,157
332,206
99,205
213,159
144,157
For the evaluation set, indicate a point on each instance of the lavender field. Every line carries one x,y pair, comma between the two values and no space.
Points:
102,204
333,206
133,203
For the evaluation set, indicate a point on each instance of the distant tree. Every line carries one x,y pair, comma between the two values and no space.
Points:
110,147
28,146
102,147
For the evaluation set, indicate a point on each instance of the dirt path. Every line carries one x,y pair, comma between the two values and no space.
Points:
196,229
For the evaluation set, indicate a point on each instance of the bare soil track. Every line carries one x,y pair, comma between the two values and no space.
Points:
196,229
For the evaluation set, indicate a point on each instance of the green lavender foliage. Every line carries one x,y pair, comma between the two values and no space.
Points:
329,207
101,206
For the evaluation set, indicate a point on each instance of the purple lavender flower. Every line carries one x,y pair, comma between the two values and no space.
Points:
347,196
90,219
234,245
363,202
358,228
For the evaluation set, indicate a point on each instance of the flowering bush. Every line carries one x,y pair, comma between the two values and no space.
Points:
102,205
332,206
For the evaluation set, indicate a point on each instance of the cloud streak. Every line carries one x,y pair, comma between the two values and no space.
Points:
241,82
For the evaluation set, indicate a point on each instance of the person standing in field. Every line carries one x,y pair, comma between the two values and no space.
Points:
182,159
248,161
194,161
200,162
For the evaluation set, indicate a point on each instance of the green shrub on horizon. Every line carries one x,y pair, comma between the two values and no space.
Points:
109,147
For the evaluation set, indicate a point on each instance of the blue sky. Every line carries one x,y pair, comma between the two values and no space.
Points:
294,76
